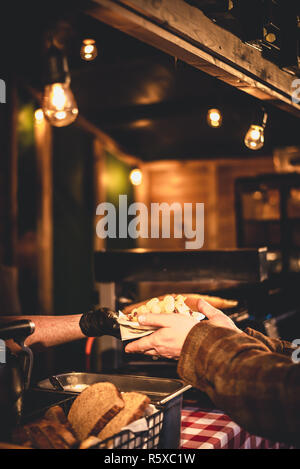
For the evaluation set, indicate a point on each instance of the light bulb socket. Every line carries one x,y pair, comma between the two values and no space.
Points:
265,119
56,67
260,117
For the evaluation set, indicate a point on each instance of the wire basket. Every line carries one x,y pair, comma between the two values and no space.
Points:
148,439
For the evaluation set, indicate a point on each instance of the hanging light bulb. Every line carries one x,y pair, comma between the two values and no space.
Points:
88,50
59,105
136,177
255,137
39,115
214,118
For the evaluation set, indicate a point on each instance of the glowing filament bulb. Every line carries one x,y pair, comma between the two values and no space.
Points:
214,118
88,50
136,177
255,137
39,115
59,105
58,96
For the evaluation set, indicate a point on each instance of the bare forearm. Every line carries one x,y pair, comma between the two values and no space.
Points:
51,330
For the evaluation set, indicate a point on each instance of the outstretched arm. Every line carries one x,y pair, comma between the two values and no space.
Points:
49,330
56,330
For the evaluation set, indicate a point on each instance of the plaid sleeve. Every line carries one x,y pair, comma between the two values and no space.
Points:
275,345
259,389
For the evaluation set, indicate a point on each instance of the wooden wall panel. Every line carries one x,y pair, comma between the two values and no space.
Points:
208,182
182,182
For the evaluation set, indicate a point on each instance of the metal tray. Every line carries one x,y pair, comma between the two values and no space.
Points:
159,390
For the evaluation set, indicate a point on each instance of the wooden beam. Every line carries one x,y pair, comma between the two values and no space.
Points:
43,139
186,33
99,187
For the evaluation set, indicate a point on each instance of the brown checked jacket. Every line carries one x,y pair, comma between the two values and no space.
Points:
250,377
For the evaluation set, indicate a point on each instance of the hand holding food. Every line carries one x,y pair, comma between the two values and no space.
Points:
124,325
167,305
169,339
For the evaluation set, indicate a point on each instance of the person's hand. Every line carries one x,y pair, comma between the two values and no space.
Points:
168,340
174,328
100,321
216,316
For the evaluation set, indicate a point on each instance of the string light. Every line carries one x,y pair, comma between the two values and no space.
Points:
88,50
136,177
59,105
39,115
214,118
255,137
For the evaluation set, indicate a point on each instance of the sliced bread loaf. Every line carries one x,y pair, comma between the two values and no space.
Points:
94,408
135,406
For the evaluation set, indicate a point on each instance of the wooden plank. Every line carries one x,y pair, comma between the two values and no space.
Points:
185,32
43,139
99,187
210,182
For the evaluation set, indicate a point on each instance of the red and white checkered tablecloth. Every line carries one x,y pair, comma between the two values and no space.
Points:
213,430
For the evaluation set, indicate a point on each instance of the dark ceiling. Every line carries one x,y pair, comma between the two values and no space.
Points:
154,107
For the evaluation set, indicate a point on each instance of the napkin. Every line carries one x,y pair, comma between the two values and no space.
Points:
133,330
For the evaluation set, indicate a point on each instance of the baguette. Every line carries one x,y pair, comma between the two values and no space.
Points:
216,302
135,406
94,408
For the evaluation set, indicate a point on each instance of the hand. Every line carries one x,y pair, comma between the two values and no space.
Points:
215,316
174,328
168,340
99,322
